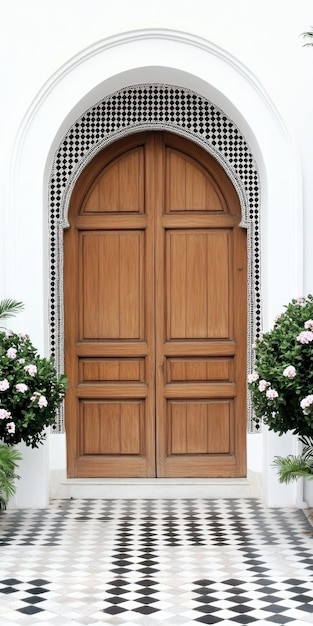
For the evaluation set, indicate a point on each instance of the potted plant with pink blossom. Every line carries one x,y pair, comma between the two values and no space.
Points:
281,384
31,391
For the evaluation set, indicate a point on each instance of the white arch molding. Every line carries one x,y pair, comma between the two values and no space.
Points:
166,57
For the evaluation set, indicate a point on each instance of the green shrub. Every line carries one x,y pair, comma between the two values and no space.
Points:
281,385
30,391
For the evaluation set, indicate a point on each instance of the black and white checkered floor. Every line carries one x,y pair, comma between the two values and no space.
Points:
155,562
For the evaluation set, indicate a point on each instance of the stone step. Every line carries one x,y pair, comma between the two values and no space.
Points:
131,488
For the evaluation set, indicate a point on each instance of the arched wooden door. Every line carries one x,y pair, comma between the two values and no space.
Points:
155,314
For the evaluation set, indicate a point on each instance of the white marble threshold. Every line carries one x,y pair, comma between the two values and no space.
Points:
129,488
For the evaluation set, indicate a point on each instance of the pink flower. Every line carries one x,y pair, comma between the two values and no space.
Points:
11,353
308,325
4,384
289,371
306,336
31,369
4,414
306,404
253,377
263,384
11,427
300,300
8,333
21,361
21,387
271,394
42,402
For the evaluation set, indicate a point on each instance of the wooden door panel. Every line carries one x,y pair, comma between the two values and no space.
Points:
109,290
111,427
202,427
189,186
202,370
155,292
200,401
111,281
104,370
119,187
198,284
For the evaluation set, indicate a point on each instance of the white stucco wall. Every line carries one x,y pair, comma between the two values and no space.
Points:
56,60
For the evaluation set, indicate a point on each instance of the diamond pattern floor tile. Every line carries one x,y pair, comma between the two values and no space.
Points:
153,562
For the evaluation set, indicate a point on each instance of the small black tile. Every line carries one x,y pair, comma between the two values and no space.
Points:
299,589
38,582
119,582
232,581
8,590
148,570
146,610
206,608
147,591
120,570
209,619
30,610
293,581
305,607
275,608
115,599
303,598
36,590
244,619
270,598
279,619
33,600
241,608
11,581
117,591
146,600
114,610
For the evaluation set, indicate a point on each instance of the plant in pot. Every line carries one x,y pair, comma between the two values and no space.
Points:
281,384
30,392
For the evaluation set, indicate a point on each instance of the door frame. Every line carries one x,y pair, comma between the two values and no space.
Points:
81,464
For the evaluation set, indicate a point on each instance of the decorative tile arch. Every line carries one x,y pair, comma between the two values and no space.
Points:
152,107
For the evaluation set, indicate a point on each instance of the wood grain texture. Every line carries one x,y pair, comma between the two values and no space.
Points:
155,314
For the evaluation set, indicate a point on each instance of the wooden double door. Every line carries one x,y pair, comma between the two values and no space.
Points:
155,314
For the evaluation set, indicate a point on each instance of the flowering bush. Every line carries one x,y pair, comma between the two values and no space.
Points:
282,383
30,391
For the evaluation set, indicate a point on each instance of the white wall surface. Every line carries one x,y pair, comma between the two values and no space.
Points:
37,38
38,41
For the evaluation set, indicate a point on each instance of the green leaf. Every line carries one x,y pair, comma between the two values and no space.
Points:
293,467
9,308
9,458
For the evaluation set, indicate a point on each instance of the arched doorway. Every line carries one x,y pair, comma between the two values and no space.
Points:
155,314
